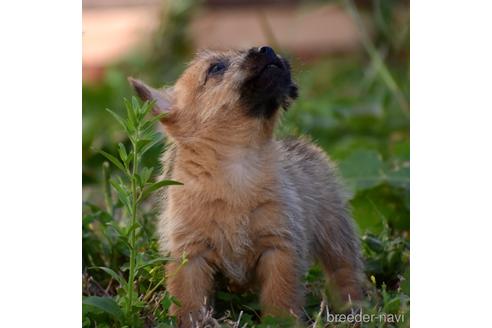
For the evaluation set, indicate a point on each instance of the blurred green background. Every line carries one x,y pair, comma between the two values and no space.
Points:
351,62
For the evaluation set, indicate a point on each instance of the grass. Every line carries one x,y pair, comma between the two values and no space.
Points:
349,105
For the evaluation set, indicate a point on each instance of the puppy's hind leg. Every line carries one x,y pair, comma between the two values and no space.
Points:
345,279
342,264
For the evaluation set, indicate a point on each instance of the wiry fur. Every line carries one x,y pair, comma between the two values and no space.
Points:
256,209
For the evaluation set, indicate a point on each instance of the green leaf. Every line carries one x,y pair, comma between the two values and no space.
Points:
142,141
122,151
393,305
150,145
147,106
147,126
99,216
157,117
124,240
401,150
118,118
363,169
137,110
228,297
166,302
399,175
108,198
130,228
153,261
131,117
112,229
113,160
120,279
122,193
145,175
157,185
373,243
106,304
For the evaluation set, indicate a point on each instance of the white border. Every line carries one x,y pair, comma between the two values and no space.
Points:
451,169
40,163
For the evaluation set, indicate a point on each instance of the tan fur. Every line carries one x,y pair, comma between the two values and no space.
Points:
256,209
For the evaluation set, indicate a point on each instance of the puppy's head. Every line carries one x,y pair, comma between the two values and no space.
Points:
231,95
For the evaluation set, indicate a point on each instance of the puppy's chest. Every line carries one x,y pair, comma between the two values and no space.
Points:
229,214
234,247
235,238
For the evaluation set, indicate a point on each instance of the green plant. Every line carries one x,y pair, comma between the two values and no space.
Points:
132,187
387,257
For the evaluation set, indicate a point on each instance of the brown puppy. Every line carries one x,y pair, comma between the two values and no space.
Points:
256,209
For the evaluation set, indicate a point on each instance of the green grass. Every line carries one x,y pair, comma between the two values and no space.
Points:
354,106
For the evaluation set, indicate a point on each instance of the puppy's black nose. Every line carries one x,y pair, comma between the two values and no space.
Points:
268,52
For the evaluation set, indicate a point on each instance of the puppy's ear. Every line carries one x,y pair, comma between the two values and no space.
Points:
162,98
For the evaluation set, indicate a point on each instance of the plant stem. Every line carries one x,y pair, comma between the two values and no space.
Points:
133,222
108,200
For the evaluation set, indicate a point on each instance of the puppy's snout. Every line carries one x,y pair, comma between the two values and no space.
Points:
263,54
268,53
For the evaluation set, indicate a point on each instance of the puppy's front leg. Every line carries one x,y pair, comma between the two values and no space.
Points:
279,279
192,285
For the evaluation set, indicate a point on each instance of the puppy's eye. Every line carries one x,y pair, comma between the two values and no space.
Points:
217,68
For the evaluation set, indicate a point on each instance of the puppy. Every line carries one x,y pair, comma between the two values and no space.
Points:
256,209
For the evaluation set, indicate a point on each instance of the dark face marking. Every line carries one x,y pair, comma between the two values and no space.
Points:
269,84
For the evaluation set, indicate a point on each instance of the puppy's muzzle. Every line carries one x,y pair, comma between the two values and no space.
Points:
266,59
